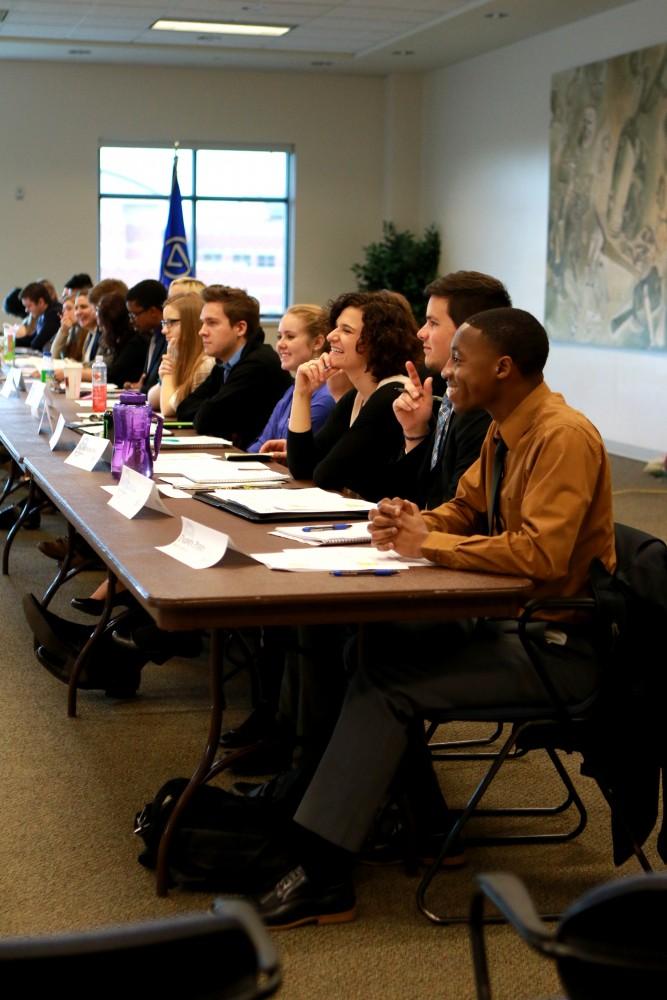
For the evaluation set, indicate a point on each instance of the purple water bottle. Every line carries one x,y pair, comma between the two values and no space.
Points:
132,418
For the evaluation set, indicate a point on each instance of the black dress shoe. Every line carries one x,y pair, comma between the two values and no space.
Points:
10,515
159,645
259,725
295,900
268,757
94,607
393,847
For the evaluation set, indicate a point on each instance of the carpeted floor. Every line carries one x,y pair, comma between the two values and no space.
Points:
70,789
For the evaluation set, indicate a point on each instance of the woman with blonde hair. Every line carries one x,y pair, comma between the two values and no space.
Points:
301,337
184,365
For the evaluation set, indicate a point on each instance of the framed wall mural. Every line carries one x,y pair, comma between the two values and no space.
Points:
607,252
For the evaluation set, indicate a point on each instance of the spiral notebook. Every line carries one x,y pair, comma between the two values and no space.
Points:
324,534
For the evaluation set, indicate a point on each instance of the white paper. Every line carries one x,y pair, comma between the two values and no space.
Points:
173,493
197,546
319,534
328,559
88,452
197,441
8,388
134,492
57,434
307,501
177,463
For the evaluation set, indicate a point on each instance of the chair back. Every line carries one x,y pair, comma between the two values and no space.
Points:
226,955
612,942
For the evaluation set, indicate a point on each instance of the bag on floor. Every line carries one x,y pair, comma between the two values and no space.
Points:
224,842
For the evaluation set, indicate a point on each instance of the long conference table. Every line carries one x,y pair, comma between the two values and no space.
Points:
239,592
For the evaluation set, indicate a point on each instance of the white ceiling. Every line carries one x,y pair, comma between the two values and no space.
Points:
358,36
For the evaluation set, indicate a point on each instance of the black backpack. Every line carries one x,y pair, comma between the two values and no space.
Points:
224,842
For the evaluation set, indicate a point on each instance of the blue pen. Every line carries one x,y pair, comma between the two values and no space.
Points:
363,572
326,527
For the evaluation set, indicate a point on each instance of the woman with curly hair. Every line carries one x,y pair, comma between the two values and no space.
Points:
372,337
184,365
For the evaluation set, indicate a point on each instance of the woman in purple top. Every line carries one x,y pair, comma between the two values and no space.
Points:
301,336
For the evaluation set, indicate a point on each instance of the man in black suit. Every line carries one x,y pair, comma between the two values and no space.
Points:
440,445
239,395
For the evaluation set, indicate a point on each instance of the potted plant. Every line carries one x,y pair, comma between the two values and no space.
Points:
400,262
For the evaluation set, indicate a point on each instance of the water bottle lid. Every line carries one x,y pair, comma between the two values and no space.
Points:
132,397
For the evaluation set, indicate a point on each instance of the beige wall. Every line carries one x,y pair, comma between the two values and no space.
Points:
57,115
486,185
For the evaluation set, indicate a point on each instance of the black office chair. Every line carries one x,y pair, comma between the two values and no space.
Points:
610,942
223,955
629,612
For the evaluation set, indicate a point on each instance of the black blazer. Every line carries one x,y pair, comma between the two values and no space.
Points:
238,408
412,478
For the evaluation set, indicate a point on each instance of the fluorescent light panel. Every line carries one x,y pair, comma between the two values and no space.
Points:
220,28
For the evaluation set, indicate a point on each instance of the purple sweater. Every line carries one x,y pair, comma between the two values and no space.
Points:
321,406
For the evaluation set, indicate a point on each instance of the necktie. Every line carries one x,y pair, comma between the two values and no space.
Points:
498,469
441,424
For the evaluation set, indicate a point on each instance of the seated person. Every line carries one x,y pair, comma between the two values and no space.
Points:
546,518
77,283
144,304
45,311
184,366
301,336
372,338
124,350
68,329
238,396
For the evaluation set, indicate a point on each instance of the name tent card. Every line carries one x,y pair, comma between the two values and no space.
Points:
35,396
197,546
88,452
134,492
57,434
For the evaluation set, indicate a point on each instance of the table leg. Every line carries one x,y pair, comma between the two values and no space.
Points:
203,769
11,534
83,656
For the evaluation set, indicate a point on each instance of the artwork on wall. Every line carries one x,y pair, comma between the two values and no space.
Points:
607,252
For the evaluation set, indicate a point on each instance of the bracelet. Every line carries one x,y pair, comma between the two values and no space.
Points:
419,437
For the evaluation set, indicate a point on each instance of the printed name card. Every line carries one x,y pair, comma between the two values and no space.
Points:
197,546
57,434
88,452
134,492
12,383
35,397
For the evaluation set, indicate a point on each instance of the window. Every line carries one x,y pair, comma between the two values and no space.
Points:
235,206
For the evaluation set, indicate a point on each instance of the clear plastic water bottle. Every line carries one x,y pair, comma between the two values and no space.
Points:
99,377
47,367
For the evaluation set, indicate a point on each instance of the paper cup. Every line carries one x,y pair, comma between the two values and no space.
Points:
72,381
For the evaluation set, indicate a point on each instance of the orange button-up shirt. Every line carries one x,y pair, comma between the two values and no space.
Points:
555,502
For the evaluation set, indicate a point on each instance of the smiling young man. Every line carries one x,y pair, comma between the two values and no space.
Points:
238,396
553,516
438,444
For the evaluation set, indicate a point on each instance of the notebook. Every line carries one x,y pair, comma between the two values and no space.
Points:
281,505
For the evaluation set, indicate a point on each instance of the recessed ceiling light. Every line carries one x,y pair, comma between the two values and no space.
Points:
221,28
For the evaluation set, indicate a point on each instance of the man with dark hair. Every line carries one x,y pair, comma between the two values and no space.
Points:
439,444
238,396
46,313
77,283
144,304
550,517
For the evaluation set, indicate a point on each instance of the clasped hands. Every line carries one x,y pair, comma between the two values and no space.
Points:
397,524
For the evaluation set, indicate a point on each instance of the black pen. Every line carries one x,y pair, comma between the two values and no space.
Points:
326,527
363,572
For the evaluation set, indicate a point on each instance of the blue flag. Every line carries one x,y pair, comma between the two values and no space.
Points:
175,257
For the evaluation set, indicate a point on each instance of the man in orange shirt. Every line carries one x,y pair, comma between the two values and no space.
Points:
545,516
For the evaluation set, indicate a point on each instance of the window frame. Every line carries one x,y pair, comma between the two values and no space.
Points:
194,199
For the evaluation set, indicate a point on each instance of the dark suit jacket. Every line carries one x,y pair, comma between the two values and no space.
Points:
412,478
238,408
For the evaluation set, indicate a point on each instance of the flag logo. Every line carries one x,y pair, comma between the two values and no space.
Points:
175,258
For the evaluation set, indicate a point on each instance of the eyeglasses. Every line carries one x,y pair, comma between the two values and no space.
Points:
137,312
168,323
